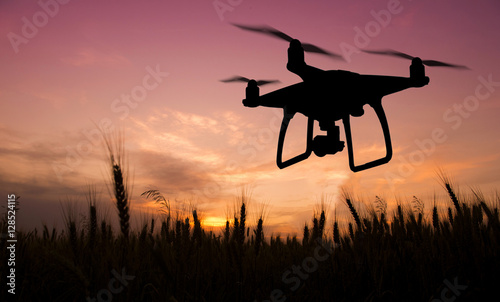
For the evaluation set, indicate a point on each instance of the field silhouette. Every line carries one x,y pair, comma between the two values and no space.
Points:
401,256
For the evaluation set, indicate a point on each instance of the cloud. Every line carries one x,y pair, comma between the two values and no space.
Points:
55,99
25,171
188,136
185,149
91,57
22,152
173,175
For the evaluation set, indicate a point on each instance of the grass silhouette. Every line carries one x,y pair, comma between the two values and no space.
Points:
380,257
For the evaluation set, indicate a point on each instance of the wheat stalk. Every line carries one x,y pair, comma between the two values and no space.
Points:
227,232
447,184
119,180
92,203
121,199
435,218
352,209
336,233
158,198
450,216
197,231
259,235
69,215
241,231
305,238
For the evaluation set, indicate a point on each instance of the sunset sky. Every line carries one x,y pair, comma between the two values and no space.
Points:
152,68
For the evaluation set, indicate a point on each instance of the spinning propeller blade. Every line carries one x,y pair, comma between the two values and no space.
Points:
267,30
431,63
246,80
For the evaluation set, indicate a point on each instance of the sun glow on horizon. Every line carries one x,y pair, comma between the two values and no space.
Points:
213,221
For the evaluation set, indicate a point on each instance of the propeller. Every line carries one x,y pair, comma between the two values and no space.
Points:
431,63
268,30
246,80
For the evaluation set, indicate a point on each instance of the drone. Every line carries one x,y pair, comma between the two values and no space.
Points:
328,96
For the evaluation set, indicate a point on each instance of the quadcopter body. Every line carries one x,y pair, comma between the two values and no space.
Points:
328,96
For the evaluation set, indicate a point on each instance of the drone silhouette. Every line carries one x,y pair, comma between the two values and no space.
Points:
328,96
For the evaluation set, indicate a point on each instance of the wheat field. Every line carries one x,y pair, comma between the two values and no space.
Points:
400,256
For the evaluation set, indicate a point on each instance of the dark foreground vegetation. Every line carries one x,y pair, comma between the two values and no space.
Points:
407,259
399,256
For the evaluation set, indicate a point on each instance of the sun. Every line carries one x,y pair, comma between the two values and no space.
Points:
213,221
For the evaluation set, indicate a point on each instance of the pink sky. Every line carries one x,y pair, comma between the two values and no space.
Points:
190,136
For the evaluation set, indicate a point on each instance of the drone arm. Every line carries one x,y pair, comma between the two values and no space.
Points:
379,110
297,64
284,125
